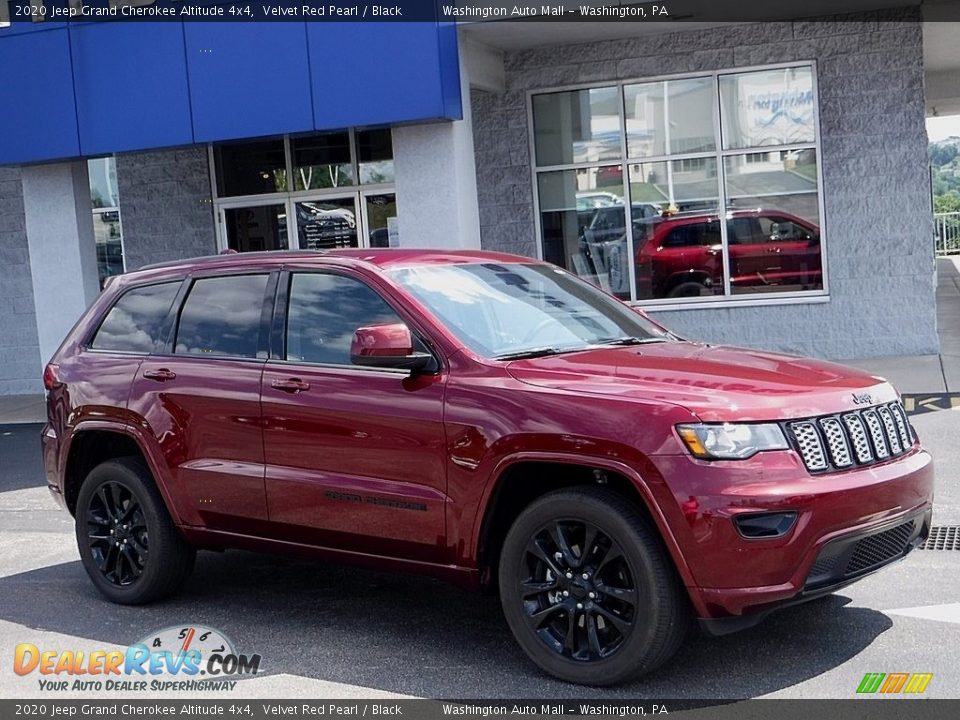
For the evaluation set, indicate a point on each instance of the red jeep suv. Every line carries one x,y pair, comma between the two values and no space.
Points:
479,417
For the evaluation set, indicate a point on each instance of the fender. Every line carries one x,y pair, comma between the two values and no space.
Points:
600,462
148,448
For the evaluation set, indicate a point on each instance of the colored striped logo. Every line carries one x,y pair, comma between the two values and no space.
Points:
892,683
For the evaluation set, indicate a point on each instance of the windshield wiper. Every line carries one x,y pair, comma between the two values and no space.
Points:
630,340
531,353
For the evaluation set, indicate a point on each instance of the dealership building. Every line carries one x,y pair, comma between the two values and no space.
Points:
761,184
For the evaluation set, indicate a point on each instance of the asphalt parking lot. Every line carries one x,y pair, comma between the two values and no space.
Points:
330,631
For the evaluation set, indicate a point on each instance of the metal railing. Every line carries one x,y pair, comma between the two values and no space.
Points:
947,230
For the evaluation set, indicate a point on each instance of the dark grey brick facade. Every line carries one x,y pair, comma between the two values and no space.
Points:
19,347
877,225
165,205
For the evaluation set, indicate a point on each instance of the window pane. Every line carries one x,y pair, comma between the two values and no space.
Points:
134,324
324,313
375,155
583,220
682,124
774,231
103,182
250,168
262,227
381,210
322,161
680,254
327,224
577,126
106,234
768,107
222,316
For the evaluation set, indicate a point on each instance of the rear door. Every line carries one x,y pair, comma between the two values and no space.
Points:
201,400
355,456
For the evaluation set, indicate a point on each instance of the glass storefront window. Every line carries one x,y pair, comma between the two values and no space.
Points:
322,161
262,227
107,230
381,210
721,185
767,107
669,117
577,126
250,168
327,224
375,155
103,183
340,192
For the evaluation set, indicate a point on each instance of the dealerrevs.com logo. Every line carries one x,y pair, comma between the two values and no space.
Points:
894,683
175,658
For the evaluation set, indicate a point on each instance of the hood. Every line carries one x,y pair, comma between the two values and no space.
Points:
716,383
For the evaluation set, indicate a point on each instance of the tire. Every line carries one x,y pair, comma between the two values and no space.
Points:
637,637
691,288
123,488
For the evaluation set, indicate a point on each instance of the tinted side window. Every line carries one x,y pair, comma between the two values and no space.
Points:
135,322
742,231
221,316
694,234
325,311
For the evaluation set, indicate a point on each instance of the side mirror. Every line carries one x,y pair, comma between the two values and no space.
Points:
388,346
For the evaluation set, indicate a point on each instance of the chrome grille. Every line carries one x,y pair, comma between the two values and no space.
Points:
890,428
876,434
809,445
858,435
836,442
861,437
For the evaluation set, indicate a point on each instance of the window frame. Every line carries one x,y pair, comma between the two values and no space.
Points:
280,312
728,298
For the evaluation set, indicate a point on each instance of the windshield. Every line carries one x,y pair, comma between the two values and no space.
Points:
502,311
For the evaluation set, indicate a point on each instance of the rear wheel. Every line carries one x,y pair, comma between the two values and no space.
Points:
128,543
588,589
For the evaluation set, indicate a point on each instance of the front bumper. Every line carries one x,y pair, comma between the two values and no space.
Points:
840,562
734,577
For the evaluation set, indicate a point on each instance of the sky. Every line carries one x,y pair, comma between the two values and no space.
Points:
940,128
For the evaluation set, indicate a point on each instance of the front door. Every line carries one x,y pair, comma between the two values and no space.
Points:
255,227
355,456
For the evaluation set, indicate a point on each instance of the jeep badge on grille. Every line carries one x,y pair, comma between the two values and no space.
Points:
862,399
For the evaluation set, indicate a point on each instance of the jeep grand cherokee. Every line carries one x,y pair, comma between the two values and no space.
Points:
478,417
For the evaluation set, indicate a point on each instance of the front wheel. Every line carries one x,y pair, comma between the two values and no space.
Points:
128,543
588,589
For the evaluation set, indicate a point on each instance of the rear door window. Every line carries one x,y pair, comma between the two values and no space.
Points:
135,323
694,235
221,317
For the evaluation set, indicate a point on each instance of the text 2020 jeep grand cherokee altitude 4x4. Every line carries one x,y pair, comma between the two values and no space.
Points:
484,418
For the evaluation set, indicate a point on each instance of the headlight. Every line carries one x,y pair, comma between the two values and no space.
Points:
730,441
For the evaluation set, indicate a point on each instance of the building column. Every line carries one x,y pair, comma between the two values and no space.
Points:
436,174
63,259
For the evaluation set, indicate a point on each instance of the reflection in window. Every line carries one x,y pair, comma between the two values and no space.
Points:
322,161
325,311
381,216
669,117
706,217
260,227
221,316
577,126
107,232
134,324
375,155
767,107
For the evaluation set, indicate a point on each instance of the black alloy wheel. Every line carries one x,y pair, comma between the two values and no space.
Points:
129,544
588,589
117,533
578,593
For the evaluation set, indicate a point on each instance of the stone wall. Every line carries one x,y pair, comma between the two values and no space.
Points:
165,205
877,227
19,347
